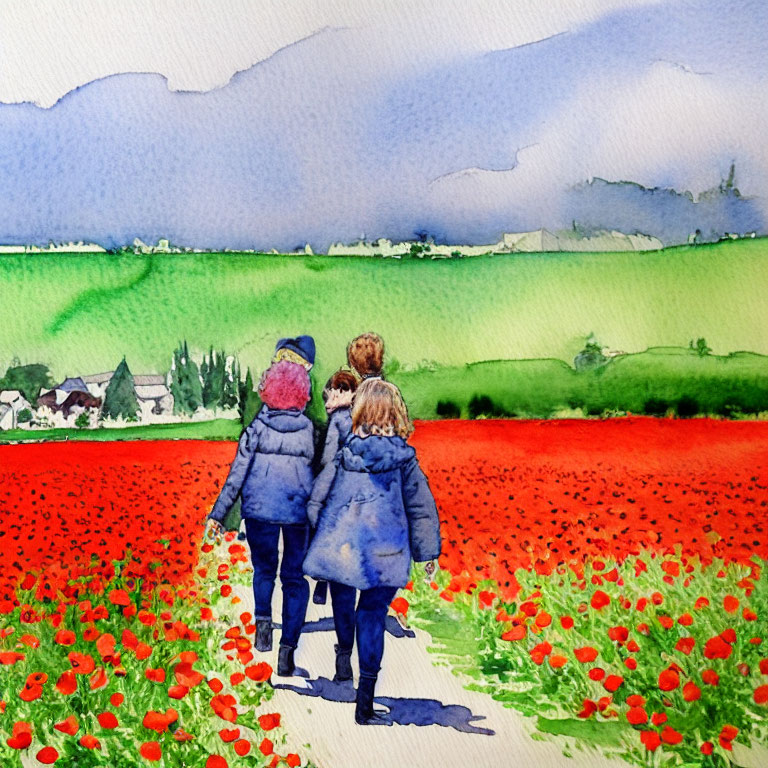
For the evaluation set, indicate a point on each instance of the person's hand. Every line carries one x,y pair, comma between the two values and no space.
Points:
214,530
429,569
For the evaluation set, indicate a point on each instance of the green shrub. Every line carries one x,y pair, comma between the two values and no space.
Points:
447,409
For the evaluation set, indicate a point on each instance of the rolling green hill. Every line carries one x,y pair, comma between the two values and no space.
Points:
81,313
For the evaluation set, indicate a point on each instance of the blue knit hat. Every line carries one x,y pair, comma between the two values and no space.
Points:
303,346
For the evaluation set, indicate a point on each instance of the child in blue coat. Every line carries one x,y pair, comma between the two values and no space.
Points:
272,472
374,513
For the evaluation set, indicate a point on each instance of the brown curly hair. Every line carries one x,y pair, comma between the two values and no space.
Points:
366,354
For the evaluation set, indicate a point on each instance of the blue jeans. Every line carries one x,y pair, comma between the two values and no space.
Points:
367,621
263,539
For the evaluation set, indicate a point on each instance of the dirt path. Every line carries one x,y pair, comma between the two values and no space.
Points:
438,723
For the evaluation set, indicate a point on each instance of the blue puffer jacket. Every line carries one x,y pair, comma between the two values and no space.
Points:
339,429
272,470
374,513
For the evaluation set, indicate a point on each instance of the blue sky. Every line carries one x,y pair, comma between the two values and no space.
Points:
380,125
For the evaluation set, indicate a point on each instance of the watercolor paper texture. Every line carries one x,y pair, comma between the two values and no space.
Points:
238,239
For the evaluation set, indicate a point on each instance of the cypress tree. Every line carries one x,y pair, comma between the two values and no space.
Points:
120,397
186,388
205,375
250,402
231,396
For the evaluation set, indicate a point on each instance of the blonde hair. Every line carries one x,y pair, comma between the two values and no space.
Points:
291,357
379,409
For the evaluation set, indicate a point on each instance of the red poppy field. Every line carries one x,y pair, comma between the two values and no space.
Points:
612,571
613,577
120,641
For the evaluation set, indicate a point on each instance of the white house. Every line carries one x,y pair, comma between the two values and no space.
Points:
11,403
6,417
155,399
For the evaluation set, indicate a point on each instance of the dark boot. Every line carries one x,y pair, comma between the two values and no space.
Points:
320,595
364,712
343,665
285,665
263,635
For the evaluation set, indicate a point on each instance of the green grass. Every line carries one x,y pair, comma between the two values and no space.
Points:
220,429
724,385
82,313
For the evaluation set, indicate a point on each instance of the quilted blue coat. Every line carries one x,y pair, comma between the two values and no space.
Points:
272,471
339,429
374,513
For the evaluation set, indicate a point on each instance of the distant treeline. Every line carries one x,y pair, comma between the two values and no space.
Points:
658,382
664,381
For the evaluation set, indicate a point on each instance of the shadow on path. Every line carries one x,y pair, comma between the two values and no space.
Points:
419,712
326,625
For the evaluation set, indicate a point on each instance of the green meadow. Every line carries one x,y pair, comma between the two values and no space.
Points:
80,314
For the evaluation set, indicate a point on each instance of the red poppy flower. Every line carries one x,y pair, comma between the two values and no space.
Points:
224,706
69,726
587,710
229,734
143,651
67,683
650,740
542,620
618,634
613,682
761,694
90,742
691,691
586,654
566,622
47,756
717,648
637,716
187,676
151,751
82,663
270,721
65,637
669,680
727,735
659,718
116,699
21,735
155,675
707,748
599,600
292,760
556,661
731,604
99,679
671,736
159,721
242,747
518,632
216,761
685,645
107,720
710,677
